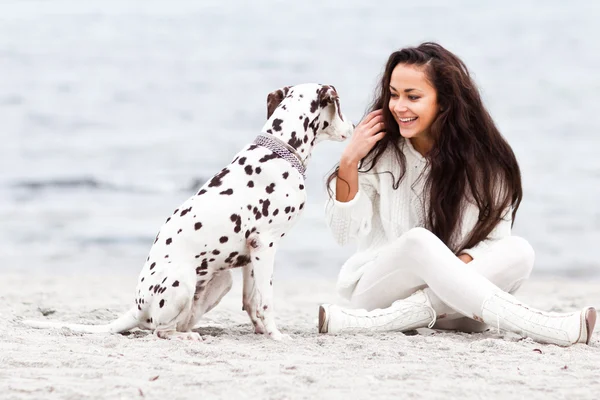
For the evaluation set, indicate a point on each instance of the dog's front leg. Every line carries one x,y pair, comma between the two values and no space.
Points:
263,259
249,303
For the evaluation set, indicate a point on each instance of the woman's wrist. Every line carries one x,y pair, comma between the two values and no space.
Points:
348,161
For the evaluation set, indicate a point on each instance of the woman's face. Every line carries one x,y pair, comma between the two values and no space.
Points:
413,102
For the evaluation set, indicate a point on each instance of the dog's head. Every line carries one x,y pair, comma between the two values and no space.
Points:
314,107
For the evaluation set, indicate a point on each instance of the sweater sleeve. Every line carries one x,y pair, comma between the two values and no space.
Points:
502,230
351,219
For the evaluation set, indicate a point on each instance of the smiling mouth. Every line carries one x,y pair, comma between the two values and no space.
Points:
405,120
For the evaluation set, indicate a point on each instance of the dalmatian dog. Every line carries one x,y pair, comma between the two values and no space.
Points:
236,220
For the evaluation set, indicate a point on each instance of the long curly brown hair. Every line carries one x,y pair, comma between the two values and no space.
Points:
469,161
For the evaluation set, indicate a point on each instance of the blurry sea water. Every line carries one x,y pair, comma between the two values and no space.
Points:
114,112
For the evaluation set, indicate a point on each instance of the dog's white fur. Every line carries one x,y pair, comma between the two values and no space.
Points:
236,220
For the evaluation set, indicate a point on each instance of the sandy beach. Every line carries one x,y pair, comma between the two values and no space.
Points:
232,362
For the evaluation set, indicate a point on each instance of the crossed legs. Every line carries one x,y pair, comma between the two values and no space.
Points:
419,260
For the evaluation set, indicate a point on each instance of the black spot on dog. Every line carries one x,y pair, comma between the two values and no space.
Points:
257,170
197,225
227,192
229,259
265,207
248,169
250,184
238,222
223,239
252,147
168,219
287,209
164,280
150,288
217,179
201,192
306,121
183,212
271,188
258,215
285,175
162,303
241,260
268,157
271,244
301,206
179,231
325,124
294,141
176,283
301,187
152,266
276,212
277,124
216,252
247,234
169,241
313,106
242,161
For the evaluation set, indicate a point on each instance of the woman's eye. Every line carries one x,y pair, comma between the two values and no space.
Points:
413,98
393,95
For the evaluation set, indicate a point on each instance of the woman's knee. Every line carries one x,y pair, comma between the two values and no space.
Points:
523,253
417,238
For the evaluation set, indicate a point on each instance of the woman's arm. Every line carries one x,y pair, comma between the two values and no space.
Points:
346,185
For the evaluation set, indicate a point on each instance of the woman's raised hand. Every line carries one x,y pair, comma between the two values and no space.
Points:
366,134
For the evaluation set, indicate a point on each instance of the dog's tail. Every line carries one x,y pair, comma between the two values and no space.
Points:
124,323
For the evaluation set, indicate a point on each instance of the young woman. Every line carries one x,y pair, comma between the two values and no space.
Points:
430,189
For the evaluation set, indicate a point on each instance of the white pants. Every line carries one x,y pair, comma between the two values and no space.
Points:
419,260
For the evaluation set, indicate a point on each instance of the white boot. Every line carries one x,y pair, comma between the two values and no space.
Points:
564,329
403,315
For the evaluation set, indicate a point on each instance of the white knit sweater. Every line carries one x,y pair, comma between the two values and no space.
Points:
378,214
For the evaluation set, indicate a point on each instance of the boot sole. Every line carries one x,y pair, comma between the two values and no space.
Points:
590,322
323,323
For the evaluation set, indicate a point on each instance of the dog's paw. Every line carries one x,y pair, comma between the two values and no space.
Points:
280,337
192,336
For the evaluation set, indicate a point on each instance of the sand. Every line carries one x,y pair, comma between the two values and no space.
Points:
231,362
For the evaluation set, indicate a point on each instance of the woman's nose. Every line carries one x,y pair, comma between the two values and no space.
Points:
400,107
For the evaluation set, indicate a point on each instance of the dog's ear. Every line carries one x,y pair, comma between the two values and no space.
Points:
275,98
328,95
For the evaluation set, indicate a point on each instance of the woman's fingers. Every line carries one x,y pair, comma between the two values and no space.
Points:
369,119
378,136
